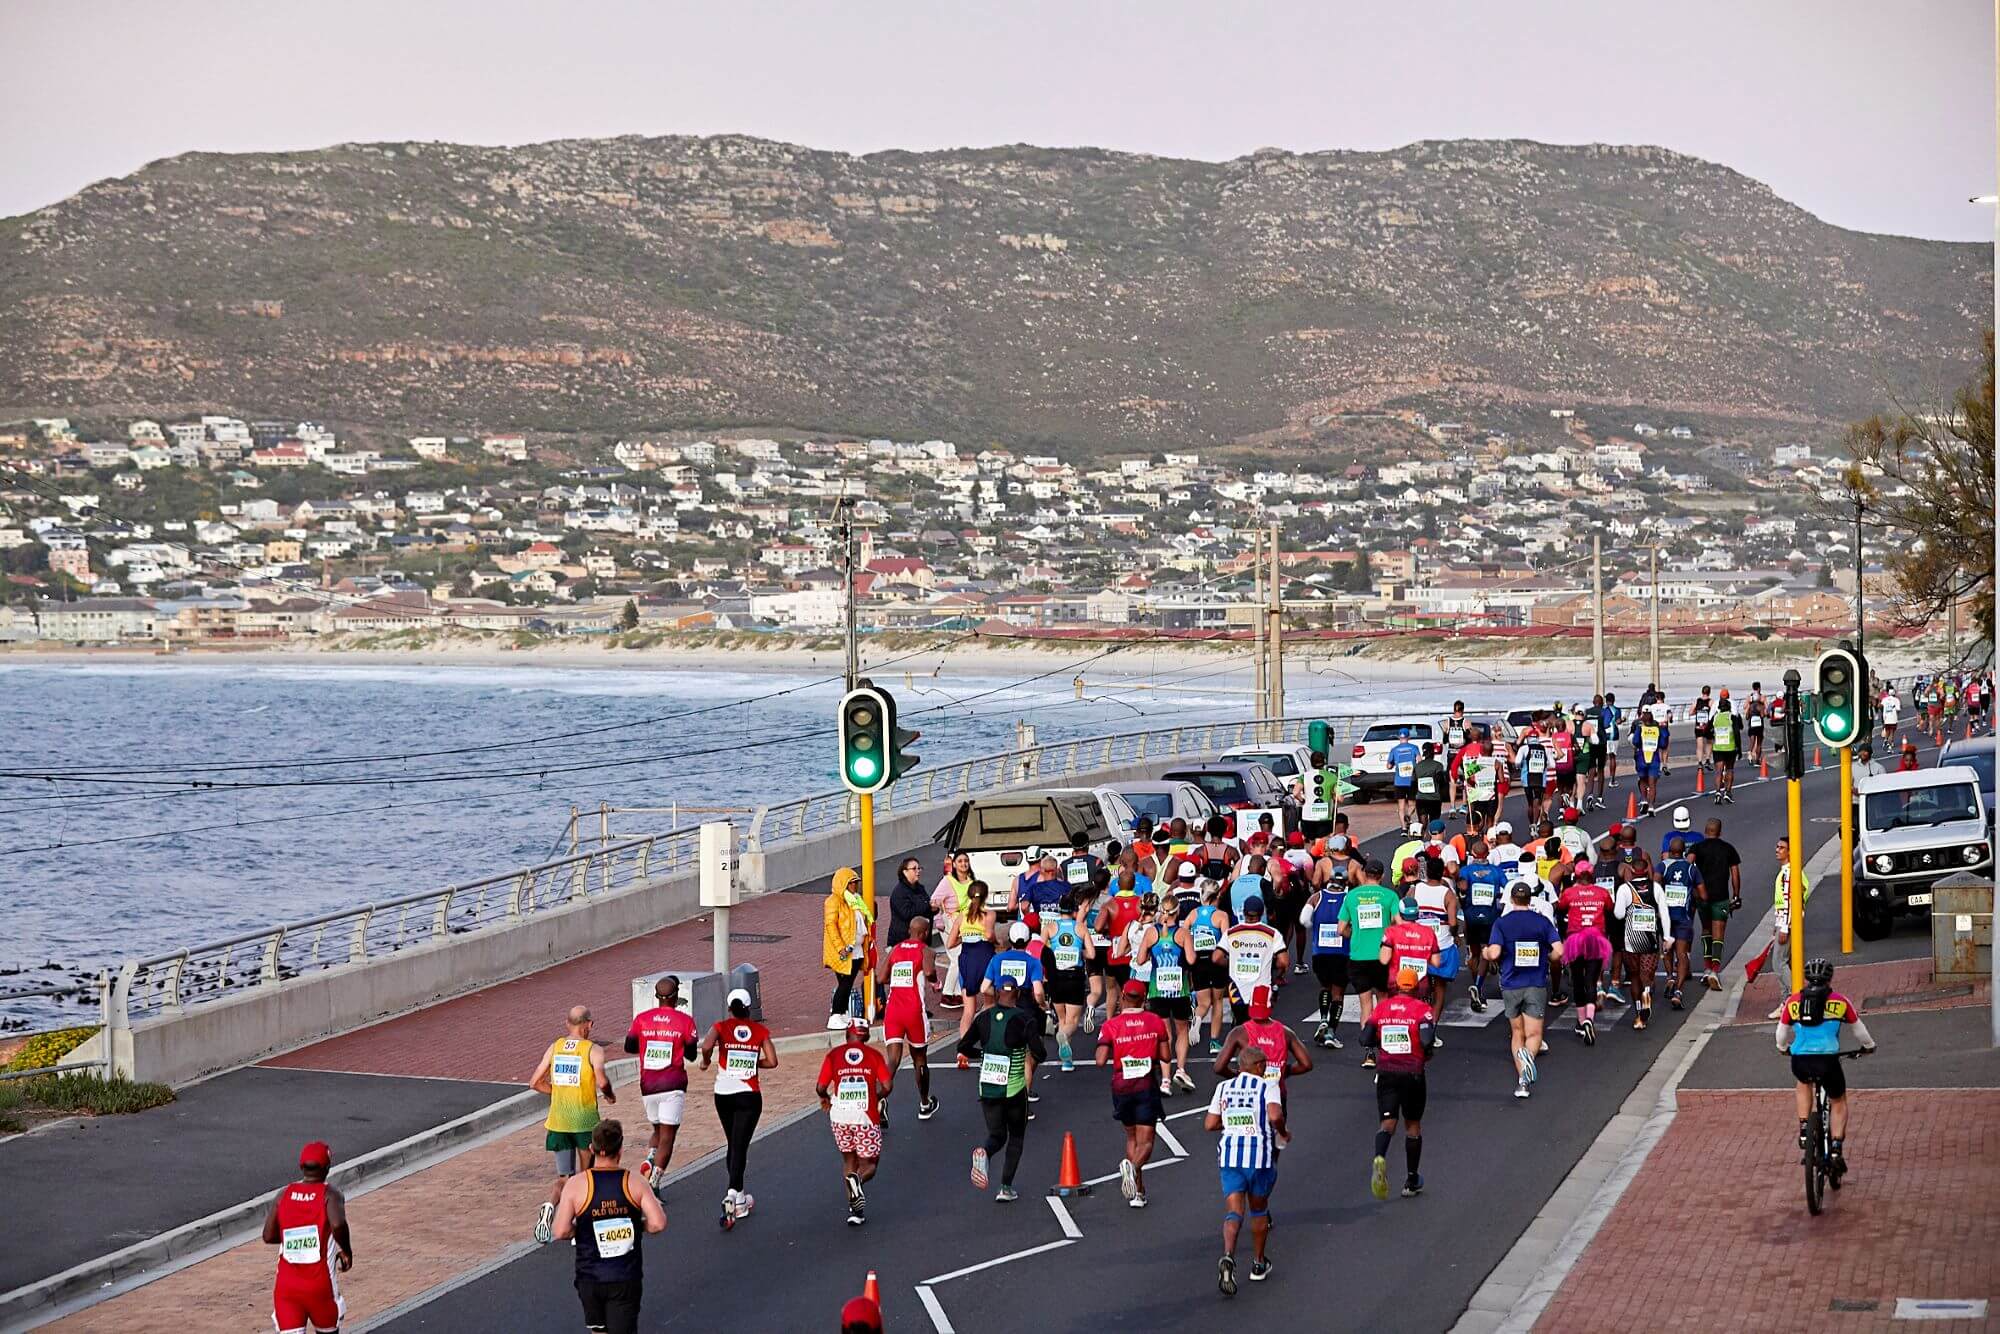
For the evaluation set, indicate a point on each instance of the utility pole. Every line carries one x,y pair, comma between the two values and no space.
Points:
1263,706
1277,636
1859,605
1597,613
1655,556
847,571
1795,770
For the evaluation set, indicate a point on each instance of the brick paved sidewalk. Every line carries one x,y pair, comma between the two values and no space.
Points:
1915,1219
1890,987
490,1195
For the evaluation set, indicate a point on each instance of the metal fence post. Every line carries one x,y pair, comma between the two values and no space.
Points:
270,973
439,922
646,855
524,888
357,948
173,986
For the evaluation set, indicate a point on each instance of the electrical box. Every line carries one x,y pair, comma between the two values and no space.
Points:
718,864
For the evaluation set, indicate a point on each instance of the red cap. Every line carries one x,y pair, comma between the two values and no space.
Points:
315,1154
1296,838
1135,988
1260,1003
860,1313
1615,830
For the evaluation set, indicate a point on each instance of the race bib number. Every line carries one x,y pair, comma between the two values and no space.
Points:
659,1054
1677,896
1239,1120
902,975
1482,896
995,1067
741,1062
1527,954
1414,964
1135,1067
1428,785
1014,968
1077,872
1167,980
1247,968
301,1245
615,1236
1369,916
1329,936
566,1072
1396,1040
1102,942
850,1100
1405,770
1645,921
1203,937
1316,810
1069,955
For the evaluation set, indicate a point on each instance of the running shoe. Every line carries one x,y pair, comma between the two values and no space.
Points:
1298,970
1034,1096
1616,995
1587,1030
854,1197
657,1179
1368,1061
1378,1178
855,1216
951,1003
1319,1035
927,1109
1225,1275
1137,1202
1334,1041
1477,1001
1184,1079
1064,1055
979,1178
1089,1019
1215,1046
545,1224
1128,1179
1259,1270
1528,1070
1520,1090
1413,1185
1006,1195
1712,980
745,1202
1674,998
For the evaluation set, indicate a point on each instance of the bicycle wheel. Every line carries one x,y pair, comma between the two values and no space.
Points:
1815,1162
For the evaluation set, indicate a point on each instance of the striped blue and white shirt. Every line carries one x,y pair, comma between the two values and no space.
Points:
1244,1103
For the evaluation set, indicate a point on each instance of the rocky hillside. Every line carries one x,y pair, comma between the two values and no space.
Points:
1063,297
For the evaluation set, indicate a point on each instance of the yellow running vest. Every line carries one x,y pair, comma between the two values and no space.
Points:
572,1087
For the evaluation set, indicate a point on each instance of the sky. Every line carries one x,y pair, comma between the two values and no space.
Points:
1874,116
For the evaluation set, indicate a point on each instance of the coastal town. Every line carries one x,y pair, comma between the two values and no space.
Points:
219,531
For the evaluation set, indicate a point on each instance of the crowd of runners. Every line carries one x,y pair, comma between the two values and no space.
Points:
1161,962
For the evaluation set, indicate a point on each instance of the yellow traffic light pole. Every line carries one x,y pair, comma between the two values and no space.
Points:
867,800
1847,850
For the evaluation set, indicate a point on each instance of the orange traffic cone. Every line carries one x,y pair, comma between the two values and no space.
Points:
1815,757
1631,805
1069,1177
1700,781
872,1289
1763,766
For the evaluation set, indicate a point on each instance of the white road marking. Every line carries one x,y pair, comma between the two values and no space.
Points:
1168,1136
1934,1308
939,1321
1192,1111
1009,1258
1061,1211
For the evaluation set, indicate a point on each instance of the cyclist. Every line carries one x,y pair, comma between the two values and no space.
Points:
1809,1032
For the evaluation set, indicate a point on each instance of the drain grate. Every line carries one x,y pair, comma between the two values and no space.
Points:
751,938
1853,1304
1915,997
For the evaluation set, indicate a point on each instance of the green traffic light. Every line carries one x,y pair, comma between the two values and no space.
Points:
862,768
1836,724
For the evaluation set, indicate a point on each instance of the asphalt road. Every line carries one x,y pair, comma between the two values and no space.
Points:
1342,1259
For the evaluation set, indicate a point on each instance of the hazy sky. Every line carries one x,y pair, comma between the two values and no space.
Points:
1875,116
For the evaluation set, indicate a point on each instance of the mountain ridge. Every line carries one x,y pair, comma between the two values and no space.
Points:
1084,297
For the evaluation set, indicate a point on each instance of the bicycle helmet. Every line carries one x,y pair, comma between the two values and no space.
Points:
1409,910
1818,973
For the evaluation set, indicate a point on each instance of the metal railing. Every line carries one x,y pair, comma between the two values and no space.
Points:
673,810
1050,765
100,989
166,983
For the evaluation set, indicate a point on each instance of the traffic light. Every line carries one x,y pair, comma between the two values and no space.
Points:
871,744
1841,693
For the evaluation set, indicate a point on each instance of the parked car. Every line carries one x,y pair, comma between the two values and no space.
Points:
1164,800
997,832
1290,763
1116,812
1975,753
1914,829
1240,787
1371,754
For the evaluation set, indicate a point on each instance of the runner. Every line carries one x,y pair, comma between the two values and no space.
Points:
1643,909
1680,891
1525,946
1432,782
1649,749
571,1072
1249,1112
1251,952
1632,864
612,1205
1329,954
1457,735
1284,1054
853,1083
1563,748
1723,742
1480,773
1408,946
1004,1040
1753,723
1438,910
1719,894
1482,889
663,1038
1364,915
1067,952
1136,1040
1403,757
1166,946
1211,978
1536,768
740,1047
302,1220
905,976
1609,729
1018,964
1892,708
1585,906
1703,716
1590,735
1403,1030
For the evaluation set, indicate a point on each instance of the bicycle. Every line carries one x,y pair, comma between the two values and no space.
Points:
1818,1159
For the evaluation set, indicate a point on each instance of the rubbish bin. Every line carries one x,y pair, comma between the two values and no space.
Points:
1962,928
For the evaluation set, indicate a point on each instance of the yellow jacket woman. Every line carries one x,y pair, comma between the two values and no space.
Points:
846,929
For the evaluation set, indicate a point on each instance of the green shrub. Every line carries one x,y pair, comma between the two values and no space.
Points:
90,1094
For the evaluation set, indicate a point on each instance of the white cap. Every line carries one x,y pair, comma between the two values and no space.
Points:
1416,829
1682,820
1034,852
1501,827
739,995
1018,933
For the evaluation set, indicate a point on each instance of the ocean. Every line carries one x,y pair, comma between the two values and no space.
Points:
141,863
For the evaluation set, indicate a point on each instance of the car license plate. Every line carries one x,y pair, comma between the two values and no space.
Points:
1919,900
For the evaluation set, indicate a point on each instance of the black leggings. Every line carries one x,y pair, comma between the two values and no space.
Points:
1583,978
1006,1126
843,987
739,1113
